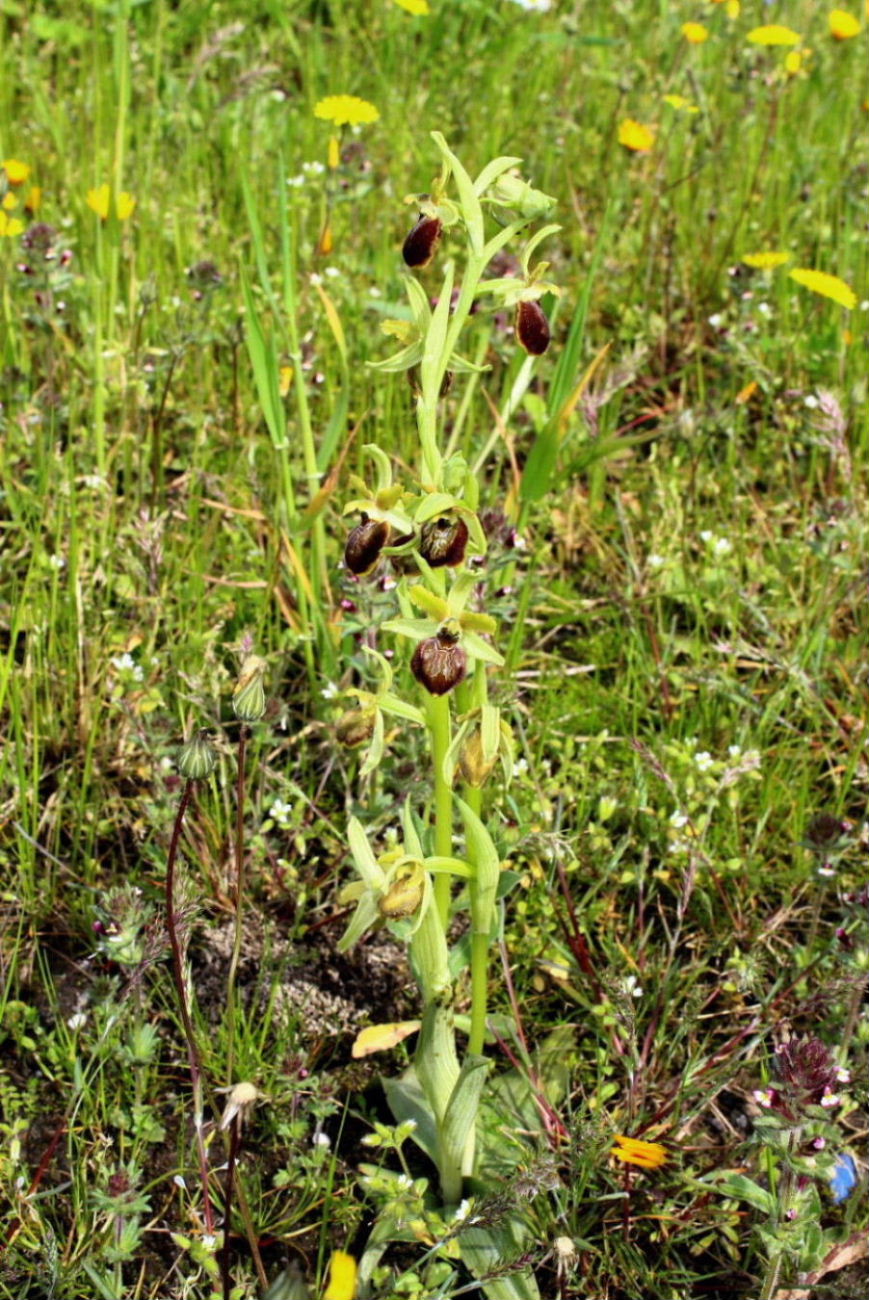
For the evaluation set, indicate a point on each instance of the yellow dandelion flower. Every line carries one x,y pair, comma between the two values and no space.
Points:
734,8
633,135
10,226
99,201
633,1151
16,172
843,25
695,33
346,110
10,202
773,34
681,104
33,201
765,261
416,7
342,1277
828,286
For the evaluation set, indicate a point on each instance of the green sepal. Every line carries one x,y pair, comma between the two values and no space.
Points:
475,646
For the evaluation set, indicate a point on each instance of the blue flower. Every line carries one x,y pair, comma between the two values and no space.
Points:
844,1178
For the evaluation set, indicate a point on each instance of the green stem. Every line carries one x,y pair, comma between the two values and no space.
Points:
473,797
193,1057
239,899
440,729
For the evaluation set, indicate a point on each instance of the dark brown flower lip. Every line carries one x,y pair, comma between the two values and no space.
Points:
443,542
532,328
439,663
422,242
364,544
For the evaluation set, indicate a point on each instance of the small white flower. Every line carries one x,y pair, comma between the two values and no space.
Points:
704,760
764,309
520,767
706,536
811,402
296,181
734,751
843,1075
716,320
179,1182
331,272
678,820
313,168
830,1099
826,870
321,1139
57,561
77,1021
763,1096
721,546
330,691
656,561
280,812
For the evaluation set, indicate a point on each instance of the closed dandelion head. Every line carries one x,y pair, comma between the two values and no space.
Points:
248,698
843,25
635,137
197,759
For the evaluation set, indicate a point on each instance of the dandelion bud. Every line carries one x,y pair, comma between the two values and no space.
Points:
364,544
443,541
532,328
475,769
198,757
355,727
405,894
439,663
249,697
421,244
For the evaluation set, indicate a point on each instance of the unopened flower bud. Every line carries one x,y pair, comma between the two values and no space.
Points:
474,767
197,759
443,541
249,697
355,727
439,663
364,544
532,328
421,244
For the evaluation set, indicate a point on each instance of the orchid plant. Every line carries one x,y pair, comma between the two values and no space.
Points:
430,530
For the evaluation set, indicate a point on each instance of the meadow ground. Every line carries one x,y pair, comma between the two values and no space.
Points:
197,257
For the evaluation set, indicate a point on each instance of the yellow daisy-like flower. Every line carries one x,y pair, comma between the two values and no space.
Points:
10,202
734,8
633,1151
346,110
33,201
828,286
681,104
843,25
765,261
16,172
342,1277
99,201
773,34
695,33
416,7
633,135
10,226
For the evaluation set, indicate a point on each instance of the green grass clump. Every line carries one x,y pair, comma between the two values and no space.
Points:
675,500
